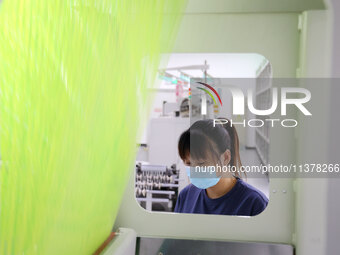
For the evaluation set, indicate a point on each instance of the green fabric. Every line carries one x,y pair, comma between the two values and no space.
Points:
73,78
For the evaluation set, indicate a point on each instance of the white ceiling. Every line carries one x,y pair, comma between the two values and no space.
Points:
221,65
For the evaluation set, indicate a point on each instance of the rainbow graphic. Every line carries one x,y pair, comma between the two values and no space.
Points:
209,93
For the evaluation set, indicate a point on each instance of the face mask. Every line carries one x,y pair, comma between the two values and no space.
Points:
203,182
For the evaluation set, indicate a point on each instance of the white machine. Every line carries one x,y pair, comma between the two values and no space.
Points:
300,38
157,187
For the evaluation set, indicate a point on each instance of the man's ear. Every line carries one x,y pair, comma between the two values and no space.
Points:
227,157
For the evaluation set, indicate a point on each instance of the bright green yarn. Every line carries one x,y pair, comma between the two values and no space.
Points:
73,78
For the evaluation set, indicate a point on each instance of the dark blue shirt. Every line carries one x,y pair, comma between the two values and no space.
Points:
242,199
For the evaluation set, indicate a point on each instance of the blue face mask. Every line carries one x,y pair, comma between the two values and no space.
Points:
205,181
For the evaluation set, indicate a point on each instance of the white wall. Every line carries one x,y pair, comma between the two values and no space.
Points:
312,196
333,204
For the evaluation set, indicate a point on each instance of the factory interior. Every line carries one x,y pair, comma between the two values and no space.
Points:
158,146
106,173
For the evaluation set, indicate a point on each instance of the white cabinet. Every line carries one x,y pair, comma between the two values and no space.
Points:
162,136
